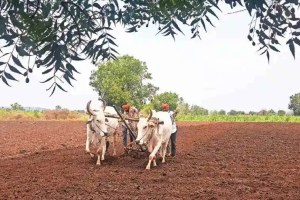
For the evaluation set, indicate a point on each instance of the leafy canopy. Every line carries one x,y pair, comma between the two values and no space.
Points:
170,98
294,104
16,106
51,34
123,81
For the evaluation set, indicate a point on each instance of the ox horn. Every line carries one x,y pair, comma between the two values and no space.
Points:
149,116
88,108
104,103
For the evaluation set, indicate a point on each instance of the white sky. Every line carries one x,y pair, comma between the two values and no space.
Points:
221,71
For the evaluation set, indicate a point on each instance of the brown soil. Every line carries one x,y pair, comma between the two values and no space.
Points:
46,160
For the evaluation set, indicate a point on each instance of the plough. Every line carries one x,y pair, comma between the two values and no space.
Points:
132,147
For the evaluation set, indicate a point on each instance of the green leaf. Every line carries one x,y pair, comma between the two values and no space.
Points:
111,42
9,76
71,68
263,52
21,51
5,81
292,47
51,86
116,3
264,35
61,88
17,61
89,45
53,90
47,79
214,4
48,58
75,57
11,42
67,78
13,69
203,24
46,9
97,6
207,19
296,33
47,71
131,29
268,56
2,63
211,12
249,5
273,48
176,26
45,48
297,41
196,20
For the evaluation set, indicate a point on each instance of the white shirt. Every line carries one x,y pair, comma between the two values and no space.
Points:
174,127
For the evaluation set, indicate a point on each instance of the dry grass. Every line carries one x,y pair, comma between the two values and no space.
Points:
8,115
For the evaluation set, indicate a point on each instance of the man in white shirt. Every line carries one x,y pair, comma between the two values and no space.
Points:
172,142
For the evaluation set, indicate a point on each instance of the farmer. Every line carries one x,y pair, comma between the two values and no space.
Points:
129,111
166,108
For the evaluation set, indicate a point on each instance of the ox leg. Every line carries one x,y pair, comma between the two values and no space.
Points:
98,160
164,151
87,143
101,151
114,143
149,163
154,162
98,156
153,153
103,144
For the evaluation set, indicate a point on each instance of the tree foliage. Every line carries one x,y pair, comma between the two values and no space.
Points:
294,104
281,113
51,34
16,106
123,81
222,112
58,107
232,112
183,108
170,98
197,110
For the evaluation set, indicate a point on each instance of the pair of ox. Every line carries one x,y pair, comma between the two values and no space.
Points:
154,131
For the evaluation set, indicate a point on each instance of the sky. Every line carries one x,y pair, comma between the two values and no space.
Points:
221,71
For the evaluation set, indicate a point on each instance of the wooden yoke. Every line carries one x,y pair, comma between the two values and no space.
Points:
125,117
156,121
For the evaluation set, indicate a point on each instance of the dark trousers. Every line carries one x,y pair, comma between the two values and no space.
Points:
124,131
172,143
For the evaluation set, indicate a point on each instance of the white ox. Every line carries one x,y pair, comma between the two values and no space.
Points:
112,127
156,136
100,130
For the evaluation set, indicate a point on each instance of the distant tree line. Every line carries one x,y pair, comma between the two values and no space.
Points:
186,109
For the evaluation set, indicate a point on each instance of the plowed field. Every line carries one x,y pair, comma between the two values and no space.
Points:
46,160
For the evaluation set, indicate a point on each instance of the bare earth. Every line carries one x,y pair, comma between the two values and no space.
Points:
46,160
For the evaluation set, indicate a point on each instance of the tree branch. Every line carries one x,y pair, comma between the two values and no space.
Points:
37,8
236,11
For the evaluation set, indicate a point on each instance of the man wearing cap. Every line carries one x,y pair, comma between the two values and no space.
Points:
166,108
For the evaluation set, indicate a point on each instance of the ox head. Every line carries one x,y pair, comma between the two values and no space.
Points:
145,129
97,118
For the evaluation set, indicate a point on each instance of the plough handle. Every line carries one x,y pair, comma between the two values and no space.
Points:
130,131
